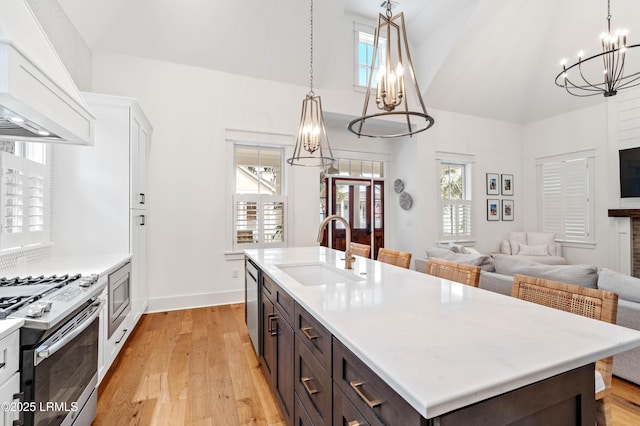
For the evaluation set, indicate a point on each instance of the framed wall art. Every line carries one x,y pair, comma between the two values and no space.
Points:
493,209
507,184
492,184
507,209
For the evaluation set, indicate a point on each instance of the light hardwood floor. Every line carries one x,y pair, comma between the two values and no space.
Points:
198,367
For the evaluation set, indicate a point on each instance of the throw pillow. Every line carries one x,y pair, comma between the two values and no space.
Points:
627,287
517,238
526,250
471,250
483,261
543,238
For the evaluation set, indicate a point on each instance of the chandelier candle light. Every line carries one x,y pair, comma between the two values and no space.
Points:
607,80
312,144
391,96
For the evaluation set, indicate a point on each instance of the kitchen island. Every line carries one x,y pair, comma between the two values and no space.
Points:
441,346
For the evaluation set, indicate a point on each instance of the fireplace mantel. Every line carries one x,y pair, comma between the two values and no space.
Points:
632,213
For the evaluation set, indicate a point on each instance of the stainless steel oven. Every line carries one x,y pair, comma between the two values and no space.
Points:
119,296
58,345
60,373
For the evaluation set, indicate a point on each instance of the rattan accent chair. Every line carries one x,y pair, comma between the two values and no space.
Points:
360,249
458,272
589,302
395,257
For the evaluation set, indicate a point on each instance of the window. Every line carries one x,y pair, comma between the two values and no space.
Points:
566,193
259,204
455,198
364,56
25,189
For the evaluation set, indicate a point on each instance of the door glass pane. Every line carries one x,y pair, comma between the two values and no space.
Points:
342,203
360,200
377,206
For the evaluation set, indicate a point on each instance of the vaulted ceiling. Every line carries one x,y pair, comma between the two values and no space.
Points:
489,58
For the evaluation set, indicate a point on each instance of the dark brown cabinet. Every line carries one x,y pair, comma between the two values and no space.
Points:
278,345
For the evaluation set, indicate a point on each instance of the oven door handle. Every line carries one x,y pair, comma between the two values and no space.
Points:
46,351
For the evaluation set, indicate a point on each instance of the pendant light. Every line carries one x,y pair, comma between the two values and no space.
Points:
603,73
312,145
396,85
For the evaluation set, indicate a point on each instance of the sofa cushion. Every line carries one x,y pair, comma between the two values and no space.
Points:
584,275
483,261
543,238
510,265
517,238
627,287
540,250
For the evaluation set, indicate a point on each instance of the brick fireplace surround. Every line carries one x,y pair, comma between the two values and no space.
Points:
634,215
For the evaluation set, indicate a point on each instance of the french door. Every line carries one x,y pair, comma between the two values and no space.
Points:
361,203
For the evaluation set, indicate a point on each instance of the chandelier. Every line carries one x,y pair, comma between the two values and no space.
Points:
604,72
312,145
392,96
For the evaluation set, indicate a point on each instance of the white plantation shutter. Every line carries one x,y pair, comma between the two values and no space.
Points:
566,206
456,219
24,192
260,220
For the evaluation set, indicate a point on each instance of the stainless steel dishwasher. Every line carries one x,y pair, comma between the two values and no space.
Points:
251,302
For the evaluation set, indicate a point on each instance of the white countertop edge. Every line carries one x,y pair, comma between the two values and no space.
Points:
8,326
467,396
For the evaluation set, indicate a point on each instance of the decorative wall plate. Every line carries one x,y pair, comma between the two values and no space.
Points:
405,201
398,186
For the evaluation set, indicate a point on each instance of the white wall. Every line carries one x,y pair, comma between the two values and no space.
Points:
496,146
576,131
193,111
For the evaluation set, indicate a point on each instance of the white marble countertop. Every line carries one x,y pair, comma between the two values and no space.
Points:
439,344
60,265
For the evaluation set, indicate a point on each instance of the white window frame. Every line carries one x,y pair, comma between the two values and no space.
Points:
262,202
30,170
567,206
466,161
368,31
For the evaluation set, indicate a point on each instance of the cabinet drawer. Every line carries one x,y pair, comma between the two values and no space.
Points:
344,413
268,286
9,355
369,393
301,416
285,304
313,386
314,336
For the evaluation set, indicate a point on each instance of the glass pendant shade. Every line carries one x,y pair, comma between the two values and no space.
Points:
312,145
393,81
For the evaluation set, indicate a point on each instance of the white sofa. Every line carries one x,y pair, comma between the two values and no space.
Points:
539,247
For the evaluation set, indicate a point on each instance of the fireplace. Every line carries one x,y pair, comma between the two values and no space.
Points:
634,238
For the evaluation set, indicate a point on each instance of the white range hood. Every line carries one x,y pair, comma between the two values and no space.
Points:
38,99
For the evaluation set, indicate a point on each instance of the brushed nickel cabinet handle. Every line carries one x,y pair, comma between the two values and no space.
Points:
355,385
274,331
307,333
305,381
269,319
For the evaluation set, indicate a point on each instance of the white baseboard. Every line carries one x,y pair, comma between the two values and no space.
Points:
163,304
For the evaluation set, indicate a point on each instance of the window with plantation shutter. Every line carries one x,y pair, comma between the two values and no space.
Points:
566,197
259,206
24,195
455,201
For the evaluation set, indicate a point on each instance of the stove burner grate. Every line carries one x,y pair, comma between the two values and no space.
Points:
18,292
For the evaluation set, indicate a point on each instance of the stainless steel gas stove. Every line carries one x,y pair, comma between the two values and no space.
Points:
58,345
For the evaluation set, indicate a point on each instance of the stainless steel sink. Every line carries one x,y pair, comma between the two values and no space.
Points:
319,273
